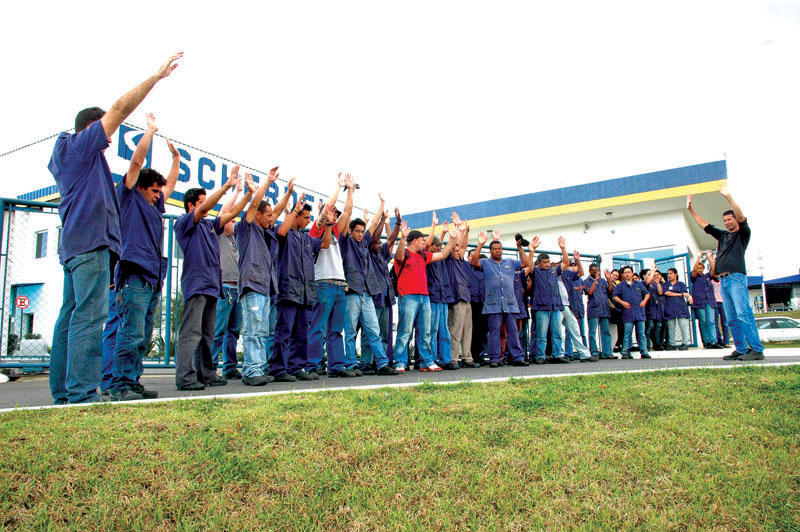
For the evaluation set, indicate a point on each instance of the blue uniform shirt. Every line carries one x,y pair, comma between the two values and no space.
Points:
296,267
439,288
477,290
571,281
703,292
598,306
88,208
255,257
459,279
633,294
675,307
380,265
545,288
499,280
655,305
357,265
142,237
201,274
520,277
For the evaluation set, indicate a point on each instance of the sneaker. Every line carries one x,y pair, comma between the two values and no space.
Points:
645,355
715,346
357,372
627,357
451,366
520,363
340,374
590,359
192,387
125,395
388,370
303,376
232,375
258,380
431,368
494,364
368,371
752,355
285,377
217,382
400,369
539,361
560,360
314,375
470,364
733,356
683,348
145,393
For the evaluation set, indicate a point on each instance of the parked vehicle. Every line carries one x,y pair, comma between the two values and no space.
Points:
778,329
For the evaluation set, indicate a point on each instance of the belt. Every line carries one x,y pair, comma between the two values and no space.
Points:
721,275
337,282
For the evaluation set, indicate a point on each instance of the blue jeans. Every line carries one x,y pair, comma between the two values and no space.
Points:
327,321
440,333
705,316
641,339
109,340
413,309
605,337
384,317
741,321
76,359
721,324
290,345
361,309
273,320
549,319
226,329
255,328
137,301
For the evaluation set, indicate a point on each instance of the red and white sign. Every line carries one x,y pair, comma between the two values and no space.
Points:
22,302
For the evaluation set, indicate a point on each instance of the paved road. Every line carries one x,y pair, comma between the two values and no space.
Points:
35,390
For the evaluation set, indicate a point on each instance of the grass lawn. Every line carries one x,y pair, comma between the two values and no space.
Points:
677,450
790,313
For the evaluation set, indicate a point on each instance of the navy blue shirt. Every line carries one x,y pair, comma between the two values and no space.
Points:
142,237
255,257
675,307
499,279
520,277
545,288
380,265
655,305
201,274
88,208
439,288
598,306
459,279
357,265
477,289
703,291
296,267
633,294
571,281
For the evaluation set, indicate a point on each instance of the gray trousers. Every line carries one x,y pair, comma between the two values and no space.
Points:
195,338
460,325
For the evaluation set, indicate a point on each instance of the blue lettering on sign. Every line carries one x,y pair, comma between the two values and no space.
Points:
272,193
185,173
201,164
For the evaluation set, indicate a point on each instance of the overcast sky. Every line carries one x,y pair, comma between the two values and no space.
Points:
434,103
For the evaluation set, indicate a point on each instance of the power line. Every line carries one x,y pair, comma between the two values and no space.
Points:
32,144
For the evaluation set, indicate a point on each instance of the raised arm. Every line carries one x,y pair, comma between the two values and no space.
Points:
141,152
712,264
328,216
172,178
577,256
201,210
373,223
393,236
523,257
607,275
434,223
126,104
400,253
284,201
593,287
697,218
250,215
696,262
736,209
475,260
562,243
288,222
228,205
451,243
347,211
239,206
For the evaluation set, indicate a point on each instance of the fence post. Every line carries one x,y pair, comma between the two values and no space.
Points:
168,321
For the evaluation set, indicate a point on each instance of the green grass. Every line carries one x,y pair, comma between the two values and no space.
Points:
690,450
790,313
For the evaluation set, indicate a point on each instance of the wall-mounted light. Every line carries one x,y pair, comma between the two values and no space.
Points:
585,228
609,214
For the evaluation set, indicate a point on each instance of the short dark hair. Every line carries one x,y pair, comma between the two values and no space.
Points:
673,270
357,221
495,242
594,265
86,117
262,207
306,207
626,267
729,211
644,272
149,177
192,196
541,257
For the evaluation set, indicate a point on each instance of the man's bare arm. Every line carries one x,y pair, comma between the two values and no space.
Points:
475,260
240,205
562,243
396,231
228,205
400,253
451,243
201,210
347,211
736,209
258,196
172,178
140,153
126,104
697,218
288,222
373,224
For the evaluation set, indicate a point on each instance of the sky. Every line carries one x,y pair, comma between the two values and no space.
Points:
433,103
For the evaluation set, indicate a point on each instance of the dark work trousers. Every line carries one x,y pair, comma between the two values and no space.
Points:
195,338
479,328
290,342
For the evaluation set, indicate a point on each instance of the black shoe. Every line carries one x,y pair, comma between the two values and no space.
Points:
627,357
388,370
314,375
715,346
367,371
559,360
494,364
683,348
303,376
195,386
733,356
590,359
357,372
144,392
125,395
752,355
520,363
617,349
470,364
451,366
232,375
217,382
539,361
258,380
340,374
645,355
285,378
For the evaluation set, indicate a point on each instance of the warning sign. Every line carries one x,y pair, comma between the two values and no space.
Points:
22,302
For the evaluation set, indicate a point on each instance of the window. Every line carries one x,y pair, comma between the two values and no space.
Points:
41,244
27,324
784,323
765,324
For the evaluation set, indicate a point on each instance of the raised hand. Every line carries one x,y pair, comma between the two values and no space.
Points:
349,181
689,201
397,214
562,242
435,219
233,180
445,226
329,213
248,179
723,189
167,68
456,218
607,275
535,241
453,232
366,215
151,122
380,197
301,202
482,238
404,229
386,214
463,226
290,185
496,234
240,185
273,175
339,180
172,149
577,256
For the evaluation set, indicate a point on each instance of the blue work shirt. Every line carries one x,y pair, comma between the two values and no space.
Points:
380,265
439,288
520,277
255,257
545,288
633,294
89,208
459,279
675,307
703,291
296,267
477,289
142,237
201,274
655,305
357,265
499,279
598,305
571,281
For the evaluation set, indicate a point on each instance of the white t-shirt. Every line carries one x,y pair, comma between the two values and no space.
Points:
329,263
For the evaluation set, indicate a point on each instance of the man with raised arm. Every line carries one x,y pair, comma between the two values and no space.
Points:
441,295
501,302
633,296
460,314
413,306
256,281
566,289
201,283
598,312
704,302
732,273
363,282
547,302
142,267
86,187
330,306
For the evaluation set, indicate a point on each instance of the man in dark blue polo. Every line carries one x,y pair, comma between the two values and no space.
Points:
90,233
296,288
598,312
460,313
547,303
501,302
201,283
142,267
632,296
441,296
